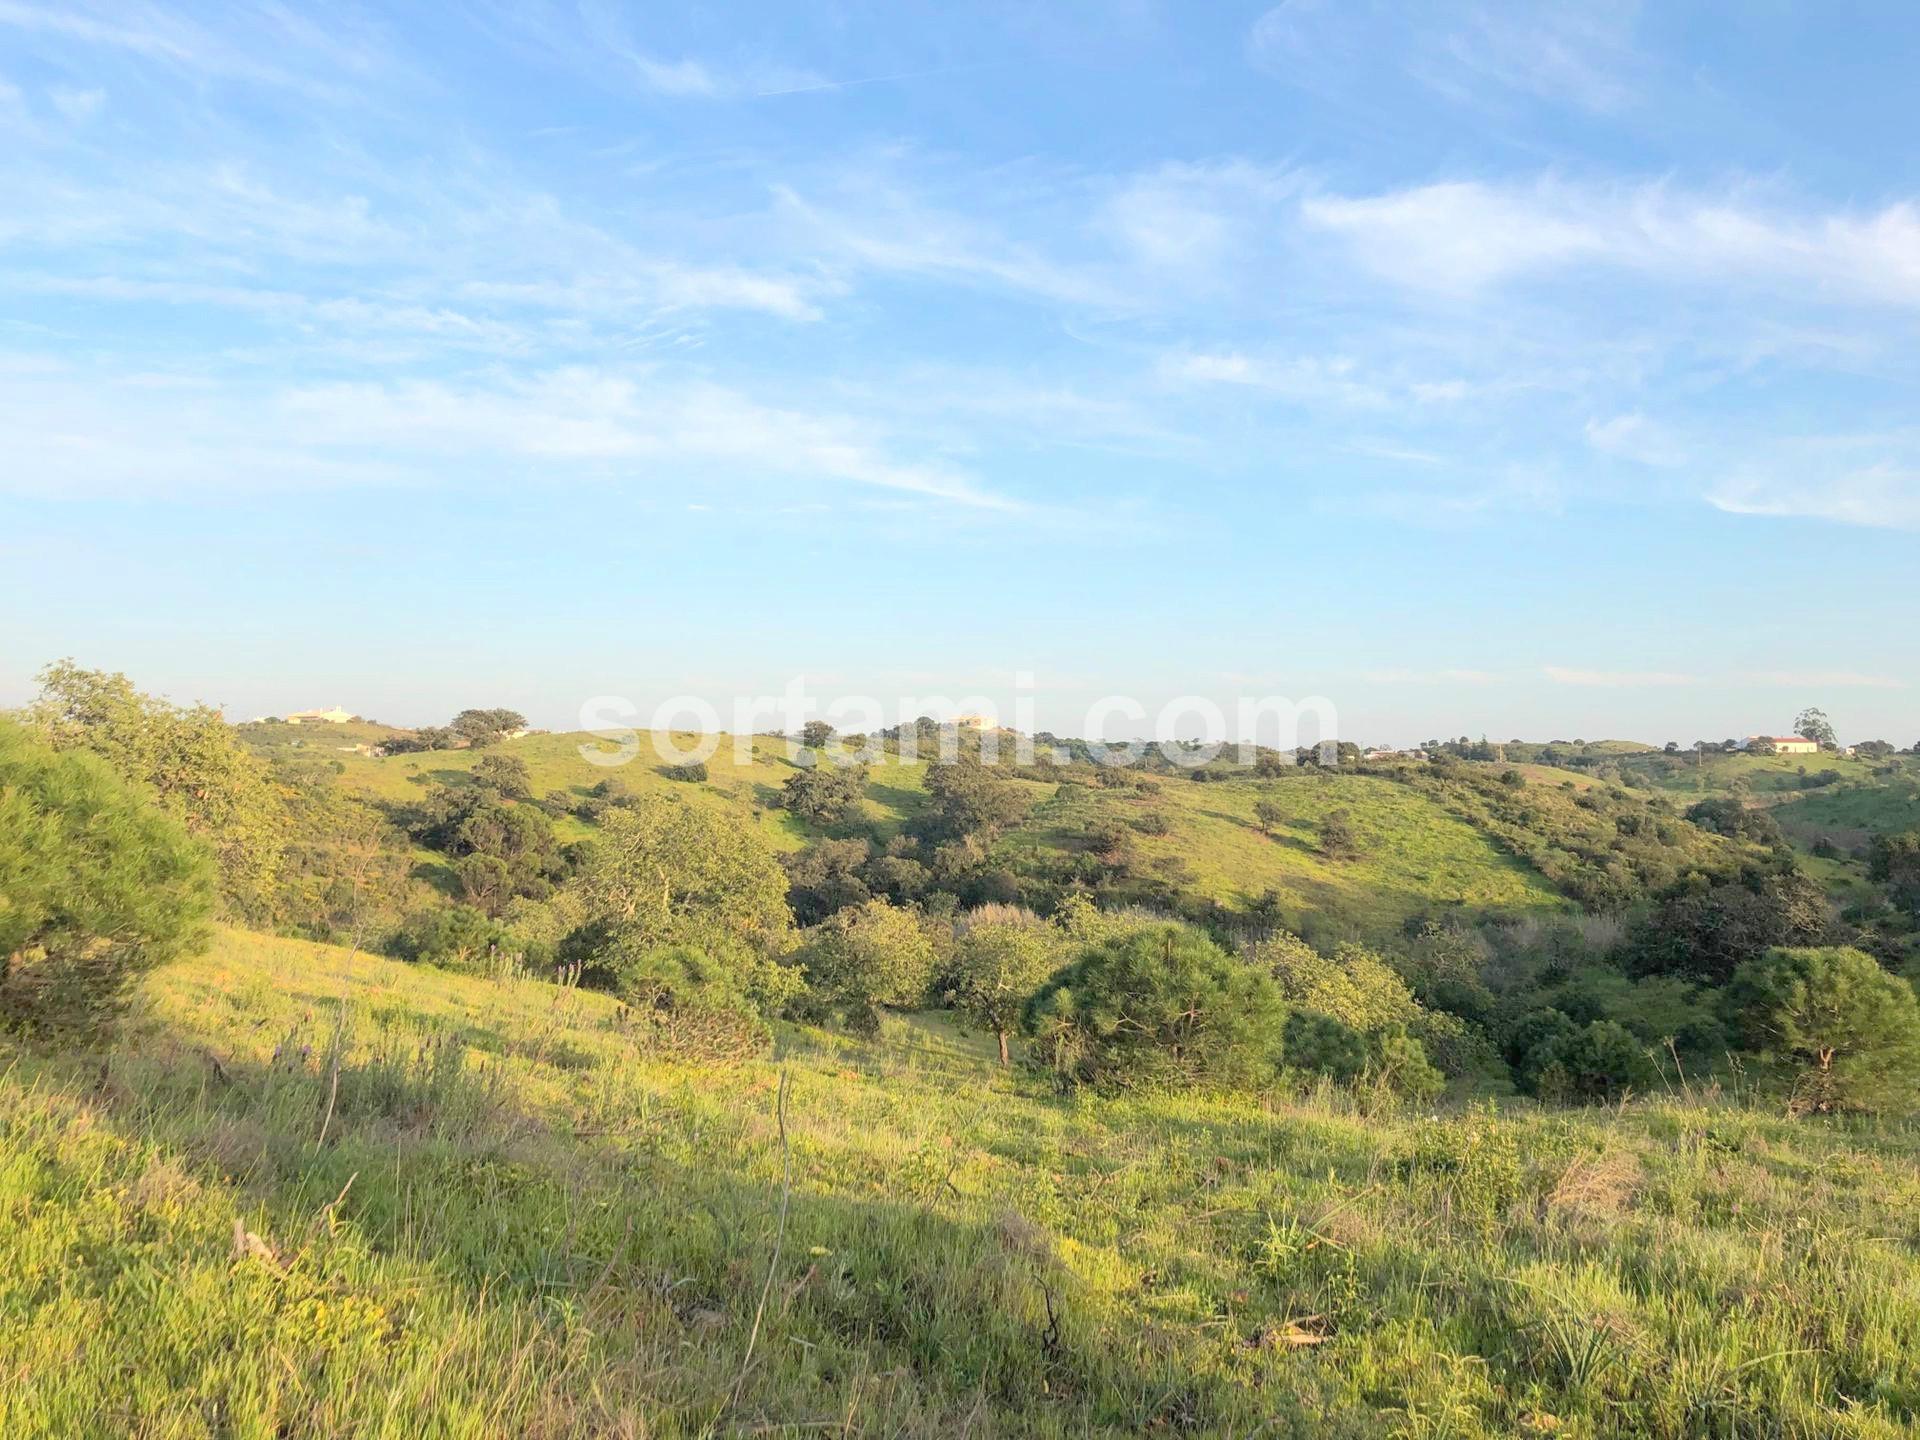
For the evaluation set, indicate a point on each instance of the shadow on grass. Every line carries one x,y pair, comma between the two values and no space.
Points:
642,1247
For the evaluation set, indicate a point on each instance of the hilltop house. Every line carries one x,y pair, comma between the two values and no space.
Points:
335,716
1784,744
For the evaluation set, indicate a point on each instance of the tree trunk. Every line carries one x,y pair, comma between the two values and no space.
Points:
1003,1047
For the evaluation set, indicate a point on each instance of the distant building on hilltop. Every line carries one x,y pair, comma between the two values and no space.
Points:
335,716
1783,744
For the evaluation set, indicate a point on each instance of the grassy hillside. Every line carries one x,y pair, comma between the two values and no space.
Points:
504,1218
1766,778
1415,856
1851,814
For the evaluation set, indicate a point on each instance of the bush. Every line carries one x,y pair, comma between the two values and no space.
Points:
697,1005
1849,1030
458,938
1595,1062
1162,1005
506,775
97,887
1353,985
1322,1045
868,956
692,772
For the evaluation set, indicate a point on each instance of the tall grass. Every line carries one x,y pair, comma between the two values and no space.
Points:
322,1196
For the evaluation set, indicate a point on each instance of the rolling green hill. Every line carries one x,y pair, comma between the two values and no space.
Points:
1414,856
322,1195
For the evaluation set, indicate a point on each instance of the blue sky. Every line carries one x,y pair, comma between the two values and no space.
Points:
1528,370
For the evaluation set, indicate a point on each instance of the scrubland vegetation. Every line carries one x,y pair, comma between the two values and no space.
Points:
471,1089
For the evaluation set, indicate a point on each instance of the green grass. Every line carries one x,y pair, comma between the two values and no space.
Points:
1768,778
1851,814
507,1219
1415,857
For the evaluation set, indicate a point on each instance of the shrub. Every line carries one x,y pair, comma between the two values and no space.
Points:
692,772
1397,1066
97,887
1162,1005
457,937
868,956
1849,1029
1353,985
1594,1062
507,775
1322,1045
1337,838
698,1005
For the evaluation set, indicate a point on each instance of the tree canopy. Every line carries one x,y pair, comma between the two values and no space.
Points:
97,886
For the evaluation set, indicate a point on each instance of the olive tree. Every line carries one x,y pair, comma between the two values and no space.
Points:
869,956
664,873
190,759
1000,957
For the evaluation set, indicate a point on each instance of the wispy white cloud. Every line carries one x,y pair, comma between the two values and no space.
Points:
79,106
1429,677
889,228
1825,679
597,40
78,434
1634,437
1475,55
1465,236
1307,379
1616,679
269,45
1884,496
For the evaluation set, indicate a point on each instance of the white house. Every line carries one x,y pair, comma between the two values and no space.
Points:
335,716
1784,744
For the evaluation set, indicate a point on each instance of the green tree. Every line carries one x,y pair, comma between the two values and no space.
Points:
97,887
825,877
1161,1005
825,793
345,868
1894,860
1850,1030
969,801
1708,931
484,727
1337,838
506,775
815,734
1812,724
189,759
666,872
868,956
1269,815
1000,958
